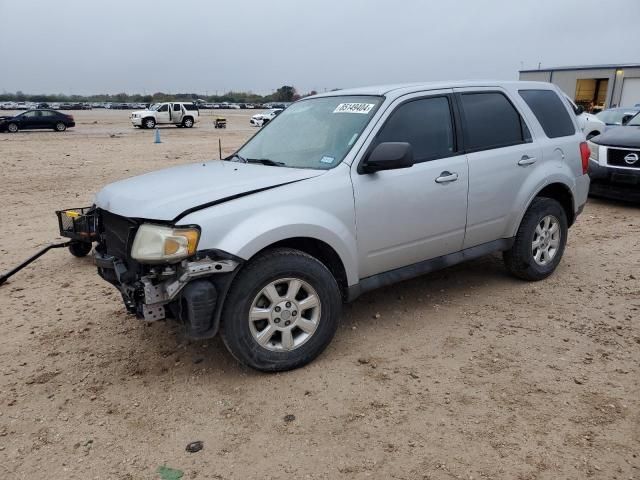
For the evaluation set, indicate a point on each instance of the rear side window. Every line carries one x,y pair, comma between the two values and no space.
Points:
550,112
190,106
491,121
176,107
426,124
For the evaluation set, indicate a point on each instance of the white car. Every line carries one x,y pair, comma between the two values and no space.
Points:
590,125
180,114
260,119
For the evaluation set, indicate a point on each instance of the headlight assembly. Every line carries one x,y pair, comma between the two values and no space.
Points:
162,244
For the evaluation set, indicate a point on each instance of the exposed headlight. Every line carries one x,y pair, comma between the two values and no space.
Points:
160,244
593,150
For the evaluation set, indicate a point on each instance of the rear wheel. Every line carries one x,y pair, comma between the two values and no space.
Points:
80,249
12,127
187,122
540,241
281,311
60,127
149,122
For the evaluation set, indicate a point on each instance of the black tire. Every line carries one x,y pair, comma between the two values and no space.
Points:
187,122
60,127
80,249
520,260
258,273
149,122
13,127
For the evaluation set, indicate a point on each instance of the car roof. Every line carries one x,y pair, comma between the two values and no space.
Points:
397,90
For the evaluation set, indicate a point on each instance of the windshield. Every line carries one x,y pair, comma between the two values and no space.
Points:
614,117
316,133
155,106
635,121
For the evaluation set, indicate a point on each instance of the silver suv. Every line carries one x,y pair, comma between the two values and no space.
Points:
340,194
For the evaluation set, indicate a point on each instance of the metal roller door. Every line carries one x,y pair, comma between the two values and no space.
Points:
630,92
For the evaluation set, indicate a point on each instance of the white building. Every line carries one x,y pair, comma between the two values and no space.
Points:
598,86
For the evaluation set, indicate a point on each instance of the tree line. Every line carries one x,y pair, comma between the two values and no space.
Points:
286,93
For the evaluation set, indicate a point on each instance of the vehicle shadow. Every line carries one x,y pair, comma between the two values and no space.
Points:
416,296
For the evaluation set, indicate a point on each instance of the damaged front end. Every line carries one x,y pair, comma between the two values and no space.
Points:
189,290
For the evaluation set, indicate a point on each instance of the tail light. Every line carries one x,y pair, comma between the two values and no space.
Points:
585,153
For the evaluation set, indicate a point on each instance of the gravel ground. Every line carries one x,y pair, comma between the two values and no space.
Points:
466,373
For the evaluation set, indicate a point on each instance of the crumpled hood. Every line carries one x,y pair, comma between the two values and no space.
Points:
165,194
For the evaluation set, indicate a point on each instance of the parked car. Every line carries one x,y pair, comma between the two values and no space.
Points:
37,119
614,165
180,114
260,119
617,116
343,193
590,125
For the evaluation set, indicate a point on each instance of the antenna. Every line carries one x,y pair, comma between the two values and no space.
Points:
220,148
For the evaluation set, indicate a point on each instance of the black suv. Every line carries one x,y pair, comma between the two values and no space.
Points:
614,163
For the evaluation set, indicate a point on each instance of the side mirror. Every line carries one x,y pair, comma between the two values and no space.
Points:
388,156
579,110
626,119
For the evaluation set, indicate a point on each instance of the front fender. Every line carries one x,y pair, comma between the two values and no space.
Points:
320,208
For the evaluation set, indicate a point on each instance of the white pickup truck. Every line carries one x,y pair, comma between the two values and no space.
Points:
180,114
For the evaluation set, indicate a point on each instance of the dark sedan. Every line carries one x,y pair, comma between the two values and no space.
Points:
614,166
37,119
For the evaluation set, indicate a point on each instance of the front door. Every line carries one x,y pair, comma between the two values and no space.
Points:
501,157
408,215
162,114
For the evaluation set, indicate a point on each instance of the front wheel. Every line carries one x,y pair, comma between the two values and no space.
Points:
12,127
540,241
149,123
187,122
281,311
60,127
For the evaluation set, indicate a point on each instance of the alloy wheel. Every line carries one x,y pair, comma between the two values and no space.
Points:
546,240
284,314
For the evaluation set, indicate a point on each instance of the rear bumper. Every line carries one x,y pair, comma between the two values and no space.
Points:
616,183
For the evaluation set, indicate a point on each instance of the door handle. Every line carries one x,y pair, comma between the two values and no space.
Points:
446,177
526,160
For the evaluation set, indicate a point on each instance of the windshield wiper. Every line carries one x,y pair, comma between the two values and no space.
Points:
240,159
266,161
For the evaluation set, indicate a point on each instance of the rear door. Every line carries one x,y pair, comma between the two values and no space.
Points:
501,157
176,113
413,214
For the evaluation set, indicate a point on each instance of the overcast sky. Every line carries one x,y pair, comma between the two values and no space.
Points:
85,46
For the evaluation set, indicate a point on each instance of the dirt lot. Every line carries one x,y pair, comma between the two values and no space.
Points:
466,373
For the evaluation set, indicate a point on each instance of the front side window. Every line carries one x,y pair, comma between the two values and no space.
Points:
163,108
550,112
316,133
491,121
425,124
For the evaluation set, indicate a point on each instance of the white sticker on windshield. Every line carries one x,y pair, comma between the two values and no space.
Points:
354,108
326,159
